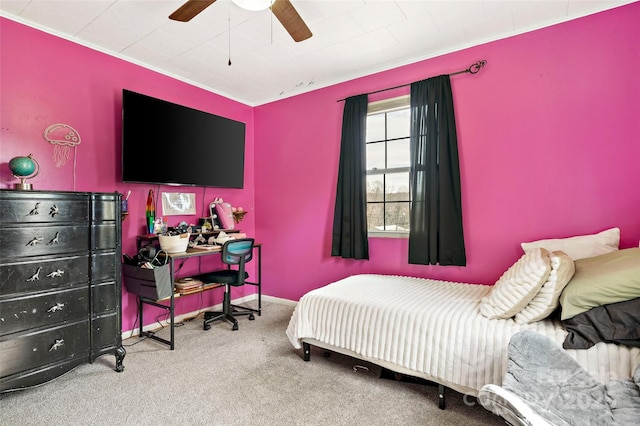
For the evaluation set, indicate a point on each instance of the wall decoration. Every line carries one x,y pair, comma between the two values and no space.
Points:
178,203
150,212
63,137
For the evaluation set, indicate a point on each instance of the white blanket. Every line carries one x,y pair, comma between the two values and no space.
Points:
432,328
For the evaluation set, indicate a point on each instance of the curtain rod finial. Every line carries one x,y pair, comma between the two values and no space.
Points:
473,69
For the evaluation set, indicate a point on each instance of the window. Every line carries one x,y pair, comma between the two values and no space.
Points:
388,167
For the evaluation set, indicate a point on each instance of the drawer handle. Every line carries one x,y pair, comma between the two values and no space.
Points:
58,344
36,276
34,211
56,307
55,274
34,241
54,211
55,240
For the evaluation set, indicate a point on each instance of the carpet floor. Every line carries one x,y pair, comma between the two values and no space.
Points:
252,376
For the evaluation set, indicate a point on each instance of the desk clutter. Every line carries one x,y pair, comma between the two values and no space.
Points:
148,257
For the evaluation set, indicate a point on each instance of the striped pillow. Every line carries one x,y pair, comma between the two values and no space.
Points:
547,299
518,285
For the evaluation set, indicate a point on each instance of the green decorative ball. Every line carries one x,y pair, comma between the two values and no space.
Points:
22,166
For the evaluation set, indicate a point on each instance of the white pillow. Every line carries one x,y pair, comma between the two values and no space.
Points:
547,299
581,246
518,285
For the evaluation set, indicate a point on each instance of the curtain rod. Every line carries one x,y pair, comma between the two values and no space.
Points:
473,69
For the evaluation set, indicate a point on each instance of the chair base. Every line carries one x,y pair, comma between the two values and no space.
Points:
228,313
212,316
237,310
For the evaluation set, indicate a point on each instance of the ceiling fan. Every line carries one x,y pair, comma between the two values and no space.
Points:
282,9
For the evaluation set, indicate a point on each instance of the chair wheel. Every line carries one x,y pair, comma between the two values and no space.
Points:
206,326
251,317
235,327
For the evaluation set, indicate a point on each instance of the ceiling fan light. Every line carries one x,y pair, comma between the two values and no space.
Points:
253,4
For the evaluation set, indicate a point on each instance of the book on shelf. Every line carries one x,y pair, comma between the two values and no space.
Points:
192,285
188,283
185,291
210,285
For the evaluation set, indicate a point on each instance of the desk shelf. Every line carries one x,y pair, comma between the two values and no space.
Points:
199,290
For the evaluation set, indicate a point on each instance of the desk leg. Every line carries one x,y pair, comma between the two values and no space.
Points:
259,280
172,310
140,303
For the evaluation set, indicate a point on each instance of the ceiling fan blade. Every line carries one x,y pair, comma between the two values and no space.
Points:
291,20
190,9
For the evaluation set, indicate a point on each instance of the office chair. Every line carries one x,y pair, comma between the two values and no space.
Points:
234,252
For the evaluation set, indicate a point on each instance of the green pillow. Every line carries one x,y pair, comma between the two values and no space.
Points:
602,280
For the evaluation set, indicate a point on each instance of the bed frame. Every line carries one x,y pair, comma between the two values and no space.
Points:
429,329
306,350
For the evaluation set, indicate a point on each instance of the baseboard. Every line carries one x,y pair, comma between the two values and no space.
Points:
182,317
279,301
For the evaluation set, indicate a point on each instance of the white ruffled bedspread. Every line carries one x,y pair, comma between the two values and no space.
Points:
431,327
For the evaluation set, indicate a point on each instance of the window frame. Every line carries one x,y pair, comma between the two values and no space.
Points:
379,107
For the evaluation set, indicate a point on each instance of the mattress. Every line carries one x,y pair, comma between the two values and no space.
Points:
431,329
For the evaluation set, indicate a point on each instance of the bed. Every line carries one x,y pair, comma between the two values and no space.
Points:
431,329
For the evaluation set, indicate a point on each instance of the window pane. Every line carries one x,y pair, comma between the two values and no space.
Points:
375,127
397,216
388,145
397,186
398,124
398,153
375,155
375,216
374,188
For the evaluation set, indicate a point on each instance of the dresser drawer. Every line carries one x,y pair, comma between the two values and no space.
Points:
43,273
103,266
105,334
104,298
104,236
40,208
105,207
17,242
27,312
31,350
40,375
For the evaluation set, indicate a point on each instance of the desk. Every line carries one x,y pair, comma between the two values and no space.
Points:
190,253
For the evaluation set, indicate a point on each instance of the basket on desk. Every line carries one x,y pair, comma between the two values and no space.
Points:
174,243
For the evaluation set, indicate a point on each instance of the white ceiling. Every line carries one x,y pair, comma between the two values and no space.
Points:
351,38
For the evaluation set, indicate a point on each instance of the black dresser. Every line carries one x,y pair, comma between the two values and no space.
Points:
60,283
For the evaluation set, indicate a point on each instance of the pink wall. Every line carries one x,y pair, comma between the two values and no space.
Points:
549,145
46,80
548,136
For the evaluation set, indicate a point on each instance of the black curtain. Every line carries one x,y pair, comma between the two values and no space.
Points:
350,214
436,235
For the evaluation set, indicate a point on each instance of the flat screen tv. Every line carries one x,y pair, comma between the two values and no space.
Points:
167,143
